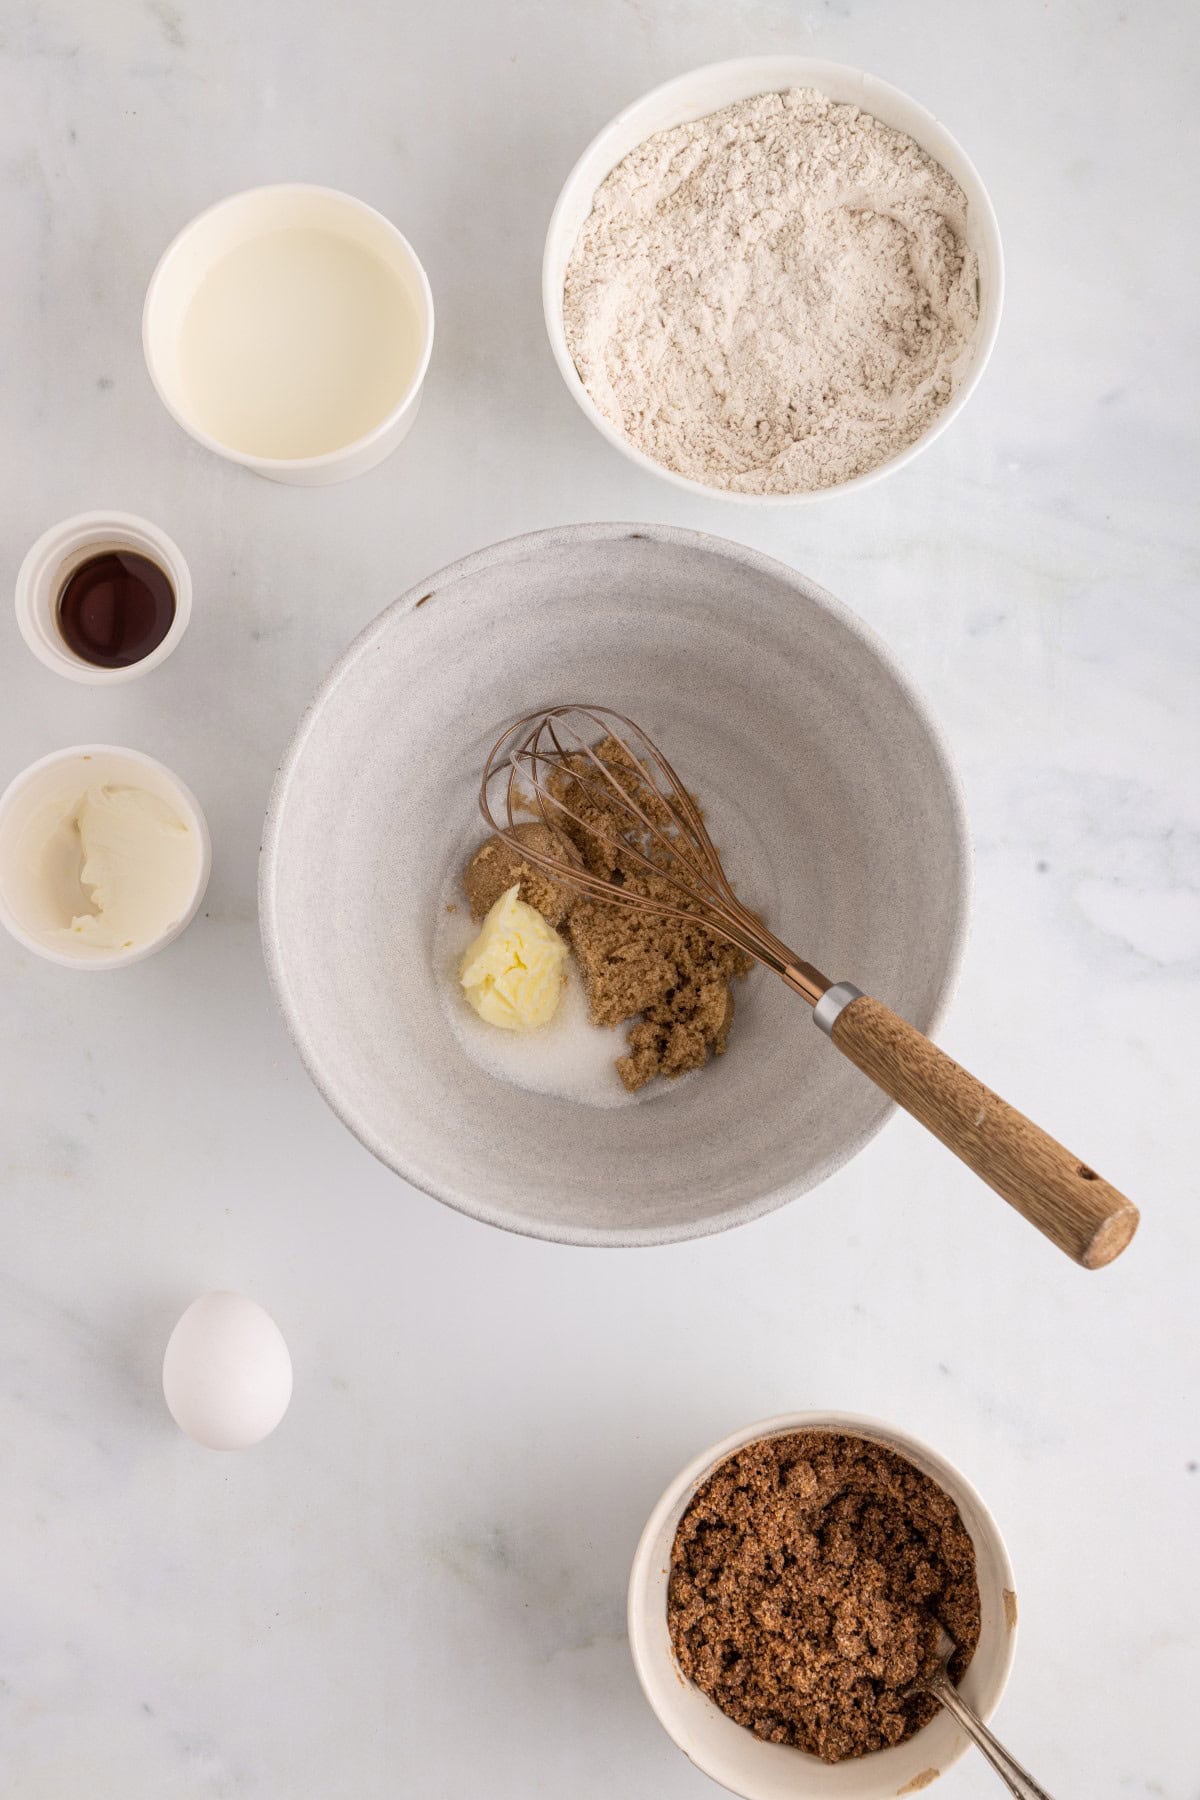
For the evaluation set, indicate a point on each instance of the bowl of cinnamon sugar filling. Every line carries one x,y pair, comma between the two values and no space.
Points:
792,1588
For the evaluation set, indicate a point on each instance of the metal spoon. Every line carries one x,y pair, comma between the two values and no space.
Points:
1017,1780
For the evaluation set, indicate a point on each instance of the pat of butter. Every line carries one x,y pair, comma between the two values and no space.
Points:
513,973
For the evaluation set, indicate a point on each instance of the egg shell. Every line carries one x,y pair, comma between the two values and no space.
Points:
227,1374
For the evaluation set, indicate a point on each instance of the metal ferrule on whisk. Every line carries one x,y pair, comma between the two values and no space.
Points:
660,829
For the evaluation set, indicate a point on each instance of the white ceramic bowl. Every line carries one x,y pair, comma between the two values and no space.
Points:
731,1754
48,566
706,90
808,747
224,228
27,807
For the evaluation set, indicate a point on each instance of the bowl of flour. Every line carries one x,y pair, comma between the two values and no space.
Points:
773,279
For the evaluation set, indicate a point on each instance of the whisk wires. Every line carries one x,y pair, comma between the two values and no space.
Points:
551,764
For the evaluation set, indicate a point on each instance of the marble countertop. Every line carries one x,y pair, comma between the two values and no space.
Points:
416,1587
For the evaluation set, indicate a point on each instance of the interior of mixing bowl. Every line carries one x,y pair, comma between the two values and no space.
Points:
821,774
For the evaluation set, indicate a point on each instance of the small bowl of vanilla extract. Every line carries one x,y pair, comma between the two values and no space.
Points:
103,597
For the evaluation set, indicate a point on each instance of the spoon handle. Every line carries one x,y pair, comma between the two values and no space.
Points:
1076,1208
1017,1780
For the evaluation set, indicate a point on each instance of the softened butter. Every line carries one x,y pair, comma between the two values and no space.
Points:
513,973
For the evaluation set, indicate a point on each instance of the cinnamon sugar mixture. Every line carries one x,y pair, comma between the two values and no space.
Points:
673,976
809,1578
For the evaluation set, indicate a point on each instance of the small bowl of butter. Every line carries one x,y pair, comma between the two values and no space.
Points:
104,857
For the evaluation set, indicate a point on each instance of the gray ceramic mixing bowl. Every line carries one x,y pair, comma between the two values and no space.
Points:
825,781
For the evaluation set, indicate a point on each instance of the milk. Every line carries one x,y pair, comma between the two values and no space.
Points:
296,343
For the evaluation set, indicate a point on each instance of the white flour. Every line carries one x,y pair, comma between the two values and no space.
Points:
774,298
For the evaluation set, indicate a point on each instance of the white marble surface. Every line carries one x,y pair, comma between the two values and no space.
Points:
416,1587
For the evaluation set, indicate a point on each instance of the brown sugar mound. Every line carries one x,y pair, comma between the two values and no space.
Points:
672,976
809,1578
496,865
674,973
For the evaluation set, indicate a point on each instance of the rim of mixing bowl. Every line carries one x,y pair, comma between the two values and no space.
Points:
515,549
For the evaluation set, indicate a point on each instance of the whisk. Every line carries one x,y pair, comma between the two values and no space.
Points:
664,833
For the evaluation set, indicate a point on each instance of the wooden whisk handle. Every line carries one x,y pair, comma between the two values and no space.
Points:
1070,1203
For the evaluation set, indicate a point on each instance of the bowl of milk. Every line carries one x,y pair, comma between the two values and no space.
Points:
289,328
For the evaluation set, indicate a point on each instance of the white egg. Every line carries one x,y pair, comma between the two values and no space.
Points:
227,1375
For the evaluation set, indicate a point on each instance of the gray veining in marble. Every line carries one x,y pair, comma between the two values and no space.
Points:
415,1587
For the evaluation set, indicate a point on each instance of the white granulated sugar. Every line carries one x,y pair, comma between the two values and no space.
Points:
774,298
570,1057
